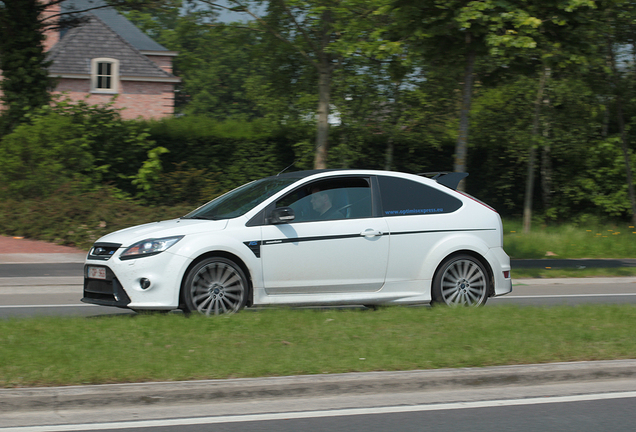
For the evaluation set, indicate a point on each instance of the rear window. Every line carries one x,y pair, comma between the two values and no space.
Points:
402,197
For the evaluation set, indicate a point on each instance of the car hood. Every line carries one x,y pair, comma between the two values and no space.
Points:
169,228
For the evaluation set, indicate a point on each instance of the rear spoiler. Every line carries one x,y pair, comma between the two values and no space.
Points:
445,178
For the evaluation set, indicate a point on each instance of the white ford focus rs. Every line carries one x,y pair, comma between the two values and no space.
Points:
327,237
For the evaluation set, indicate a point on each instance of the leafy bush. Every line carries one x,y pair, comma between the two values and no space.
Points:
72,141
187,185
72,217
37,158
241,151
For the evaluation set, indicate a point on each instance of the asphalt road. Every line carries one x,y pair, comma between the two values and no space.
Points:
539,402
30,289
586,416
11,270
37,296
565,406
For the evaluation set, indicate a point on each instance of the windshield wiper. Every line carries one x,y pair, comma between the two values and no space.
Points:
201,217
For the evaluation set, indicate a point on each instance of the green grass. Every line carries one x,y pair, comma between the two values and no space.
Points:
569,241
68,351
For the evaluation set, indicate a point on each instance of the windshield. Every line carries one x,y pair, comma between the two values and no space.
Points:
241,200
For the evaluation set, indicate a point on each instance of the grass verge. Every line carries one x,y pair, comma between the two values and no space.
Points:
570,241
69,351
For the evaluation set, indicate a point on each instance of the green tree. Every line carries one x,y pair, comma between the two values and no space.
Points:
460,32
23,62
570,122
617,29
556,46
325,33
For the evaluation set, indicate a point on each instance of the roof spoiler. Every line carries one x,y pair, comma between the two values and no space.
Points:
445,178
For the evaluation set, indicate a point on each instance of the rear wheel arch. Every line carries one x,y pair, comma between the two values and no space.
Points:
471,254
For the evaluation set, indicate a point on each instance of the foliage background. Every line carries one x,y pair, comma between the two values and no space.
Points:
246,108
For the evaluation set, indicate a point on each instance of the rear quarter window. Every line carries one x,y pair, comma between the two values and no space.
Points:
402,197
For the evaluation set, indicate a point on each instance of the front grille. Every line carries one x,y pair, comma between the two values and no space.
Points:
105,292
103,251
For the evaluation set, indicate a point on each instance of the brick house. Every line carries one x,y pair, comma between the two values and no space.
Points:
108,56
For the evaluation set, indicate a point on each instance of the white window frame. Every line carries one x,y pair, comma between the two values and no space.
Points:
114,75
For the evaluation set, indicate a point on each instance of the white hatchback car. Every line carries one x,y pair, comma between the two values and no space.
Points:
327,237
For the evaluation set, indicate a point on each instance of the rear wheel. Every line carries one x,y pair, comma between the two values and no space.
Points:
461,280
215,286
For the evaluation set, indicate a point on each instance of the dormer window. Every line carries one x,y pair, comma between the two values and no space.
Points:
104,75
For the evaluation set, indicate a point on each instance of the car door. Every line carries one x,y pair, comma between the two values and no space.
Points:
343,249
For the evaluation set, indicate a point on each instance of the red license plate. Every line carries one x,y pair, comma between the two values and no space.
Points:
97,272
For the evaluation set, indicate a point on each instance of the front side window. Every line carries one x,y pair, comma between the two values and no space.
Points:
402,197
104,75
341,198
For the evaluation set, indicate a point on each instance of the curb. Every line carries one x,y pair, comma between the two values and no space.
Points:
119,395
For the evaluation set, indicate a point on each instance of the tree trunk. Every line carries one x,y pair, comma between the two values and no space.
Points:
396,114
606,117
388,159
322,132
546,175
546,161
462,140
325,67
527,205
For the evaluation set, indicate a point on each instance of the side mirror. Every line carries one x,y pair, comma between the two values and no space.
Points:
282,215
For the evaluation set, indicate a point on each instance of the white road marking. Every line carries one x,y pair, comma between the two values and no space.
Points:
512,296
321,413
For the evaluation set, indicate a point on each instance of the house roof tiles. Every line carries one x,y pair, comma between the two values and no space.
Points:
95,39
115,21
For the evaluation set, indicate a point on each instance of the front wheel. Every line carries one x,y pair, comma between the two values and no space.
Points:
461,280
215,286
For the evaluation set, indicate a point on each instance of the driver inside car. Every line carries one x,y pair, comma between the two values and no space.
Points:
321,201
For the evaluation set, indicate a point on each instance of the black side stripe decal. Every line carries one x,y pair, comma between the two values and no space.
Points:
255,245
442,231
305,239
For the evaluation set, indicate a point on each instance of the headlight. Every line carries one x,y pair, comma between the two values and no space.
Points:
149,247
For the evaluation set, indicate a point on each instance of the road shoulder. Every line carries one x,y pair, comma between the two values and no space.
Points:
119,395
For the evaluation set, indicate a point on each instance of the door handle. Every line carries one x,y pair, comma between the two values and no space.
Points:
371,233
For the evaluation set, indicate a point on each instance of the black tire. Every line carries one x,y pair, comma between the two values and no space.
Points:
215,286
461,280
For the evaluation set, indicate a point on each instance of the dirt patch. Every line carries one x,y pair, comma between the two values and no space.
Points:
17,245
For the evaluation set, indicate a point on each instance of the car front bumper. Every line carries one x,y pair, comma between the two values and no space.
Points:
122,282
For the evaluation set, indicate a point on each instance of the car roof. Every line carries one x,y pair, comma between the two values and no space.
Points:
448,179
303,174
